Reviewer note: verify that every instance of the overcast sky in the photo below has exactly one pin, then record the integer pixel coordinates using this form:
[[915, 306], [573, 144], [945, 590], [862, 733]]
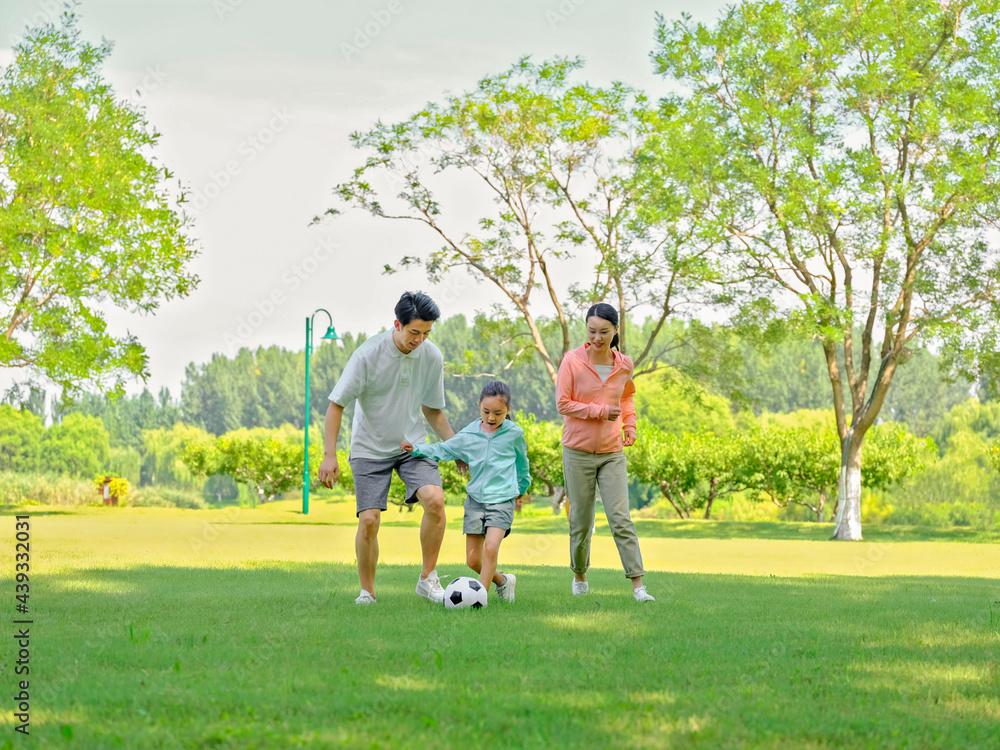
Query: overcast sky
[[255, 100]]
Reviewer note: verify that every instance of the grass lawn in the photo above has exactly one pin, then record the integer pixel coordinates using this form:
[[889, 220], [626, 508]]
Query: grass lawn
[[158, 628]]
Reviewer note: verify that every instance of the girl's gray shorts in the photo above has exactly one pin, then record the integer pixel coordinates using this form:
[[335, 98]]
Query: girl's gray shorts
[[480, 515]]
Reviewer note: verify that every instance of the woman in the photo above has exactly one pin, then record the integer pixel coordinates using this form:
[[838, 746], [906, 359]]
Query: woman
[[594, 394]]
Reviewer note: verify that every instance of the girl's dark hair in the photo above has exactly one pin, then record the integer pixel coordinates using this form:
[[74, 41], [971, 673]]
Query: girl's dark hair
[[604, 311], [497, 388], [416, 306]]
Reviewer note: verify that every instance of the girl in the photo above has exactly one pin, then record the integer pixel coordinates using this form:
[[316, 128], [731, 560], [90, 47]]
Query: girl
[[497, 455], [594, 394]]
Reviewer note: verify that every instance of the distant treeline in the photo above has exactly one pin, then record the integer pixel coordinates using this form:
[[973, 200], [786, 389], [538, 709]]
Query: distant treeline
[[266, 387], [259, 395]]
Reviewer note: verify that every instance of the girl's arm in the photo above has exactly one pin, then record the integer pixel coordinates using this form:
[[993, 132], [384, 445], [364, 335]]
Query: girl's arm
[[566, 405], [522, 465], [450, 450]]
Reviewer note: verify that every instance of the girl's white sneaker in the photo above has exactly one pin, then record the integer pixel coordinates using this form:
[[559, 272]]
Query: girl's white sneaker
[[580, 587], [365, 598], [505, 590]]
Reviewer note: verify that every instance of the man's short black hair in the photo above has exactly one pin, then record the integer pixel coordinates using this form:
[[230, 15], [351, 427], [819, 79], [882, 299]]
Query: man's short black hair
[[416, 306]]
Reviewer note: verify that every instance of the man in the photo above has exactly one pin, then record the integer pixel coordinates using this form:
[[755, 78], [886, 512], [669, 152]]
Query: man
[[393, 377]]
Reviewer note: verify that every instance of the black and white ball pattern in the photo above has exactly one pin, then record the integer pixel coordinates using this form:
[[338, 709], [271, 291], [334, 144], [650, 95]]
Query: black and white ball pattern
[[465, 592]]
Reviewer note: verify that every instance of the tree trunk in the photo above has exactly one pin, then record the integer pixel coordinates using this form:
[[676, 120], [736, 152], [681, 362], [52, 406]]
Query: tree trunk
[[712, 484], [848, 524], [670, 499], [822, 504]]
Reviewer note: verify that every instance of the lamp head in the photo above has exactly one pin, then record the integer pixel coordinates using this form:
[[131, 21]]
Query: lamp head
[[330, 333]]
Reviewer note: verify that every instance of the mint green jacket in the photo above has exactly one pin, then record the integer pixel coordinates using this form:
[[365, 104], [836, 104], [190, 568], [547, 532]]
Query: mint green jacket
[[498, 463]]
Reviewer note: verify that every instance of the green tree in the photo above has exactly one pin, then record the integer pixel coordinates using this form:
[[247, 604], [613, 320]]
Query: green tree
[[125, 417], [262, 388], [221, 395], [921, 394], [556, 159], [544, 440], [895, 454], [786, 376], [801, 465], [28, 397], [973, 415], [86, 219], [845, 157], [674, 402], [958, 488], [21, 435], [269, 465], [668, 462], [126, 463], [161, 456], [475, 354], [716, 457], [78, 446]]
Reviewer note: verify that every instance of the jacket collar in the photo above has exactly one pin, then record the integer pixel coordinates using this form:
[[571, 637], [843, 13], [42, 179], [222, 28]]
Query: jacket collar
[[580, 353], [475, 428]]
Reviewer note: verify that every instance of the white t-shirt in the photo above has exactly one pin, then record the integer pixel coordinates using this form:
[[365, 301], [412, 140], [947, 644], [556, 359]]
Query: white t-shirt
[[604, 371], [389, 387]]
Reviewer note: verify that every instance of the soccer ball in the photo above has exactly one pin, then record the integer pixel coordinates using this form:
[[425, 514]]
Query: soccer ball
[[465, 592]]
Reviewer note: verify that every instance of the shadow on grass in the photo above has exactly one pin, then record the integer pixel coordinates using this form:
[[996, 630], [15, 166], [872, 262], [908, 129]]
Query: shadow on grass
[[39, 510], [278, 655], [654, 528]]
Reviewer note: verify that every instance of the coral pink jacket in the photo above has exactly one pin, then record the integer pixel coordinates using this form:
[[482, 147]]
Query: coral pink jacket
[[583, 400]]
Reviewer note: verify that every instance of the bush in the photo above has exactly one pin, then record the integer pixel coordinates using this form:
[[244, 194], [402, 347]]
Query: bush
[[969, 514], [875, 511], [161, 497], [943, 515], [46, 489]]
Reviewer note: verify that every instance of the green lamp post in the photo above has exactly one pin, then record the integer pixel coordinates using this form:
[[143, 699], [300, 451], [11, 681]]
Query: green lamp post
[[330, 334]]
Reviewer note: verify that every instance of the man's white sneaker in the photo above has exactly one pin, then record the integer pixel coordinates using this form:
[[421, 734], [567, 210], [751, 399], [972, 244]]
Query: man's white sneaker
[[641, 595], [430, 587], [580, 587], [505, 590], [365, 598]]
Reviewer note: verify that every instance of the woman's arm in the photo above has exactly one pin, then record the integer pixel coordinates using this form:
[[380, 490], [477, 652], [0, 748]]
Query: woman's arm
[[628, 405], [567, 405]]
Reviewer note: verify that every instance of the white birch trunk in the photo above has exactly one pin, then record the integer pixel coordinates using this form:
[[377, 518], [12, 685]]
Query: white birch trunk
[[847, 527]]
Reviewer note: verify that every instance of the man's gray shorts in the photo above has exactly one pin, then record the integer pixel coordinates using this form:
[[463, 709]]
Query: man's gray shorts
[[480, 515], [372, 477]]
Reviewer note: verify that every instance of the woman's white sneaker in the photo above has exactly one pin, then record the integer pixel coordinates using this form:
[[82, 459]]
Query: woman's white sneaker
[[641, 595], [365, 598], [580, 587]]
